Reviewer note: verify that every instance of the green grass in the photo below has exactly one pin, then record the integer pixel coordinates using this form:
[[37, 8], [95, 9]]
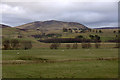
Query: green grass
[[67, 69], [60, 53], [81, 69]]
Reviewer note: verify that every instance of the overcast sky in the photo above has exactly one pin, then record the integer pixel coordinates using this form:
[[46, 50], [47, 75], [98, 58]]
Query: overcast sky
[[91, 14]]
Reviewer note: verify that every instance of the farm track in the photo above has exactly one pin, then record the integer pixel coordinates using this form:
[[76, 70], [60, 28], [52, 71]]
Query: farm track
[[54, 61]]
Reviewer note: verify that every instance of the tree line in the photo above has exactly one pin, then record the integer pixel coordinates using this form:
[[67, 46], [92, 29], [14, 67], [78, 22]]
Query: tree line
[[74, 45], [15, 44]]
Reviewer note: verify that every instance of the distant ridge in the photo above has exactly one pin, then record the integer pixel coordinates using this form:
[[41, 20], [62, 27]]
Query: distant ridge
[[52, 24], [4, 26], [108, 28]]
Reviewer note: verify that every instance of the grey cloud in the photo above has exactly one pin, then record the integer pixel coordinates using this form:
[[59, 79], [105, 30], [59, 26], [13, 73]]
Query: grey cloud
[[92, 14]]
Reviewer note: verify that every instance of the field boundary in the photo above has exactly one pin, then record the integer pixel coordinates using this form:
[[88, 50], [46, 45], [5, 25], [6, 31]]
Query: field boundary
[[54, 61]]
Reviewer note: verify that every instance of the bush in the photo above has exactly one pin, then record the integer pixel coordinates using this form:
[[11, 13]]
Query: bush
[[97, 45], [54, 45], [86, 45], [75, 46], [68, 46]]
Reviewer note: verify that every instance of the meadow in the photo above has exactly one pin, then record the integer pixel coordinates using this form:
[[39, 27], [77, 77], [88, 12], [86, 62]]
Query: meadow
[[43, 62], [61, 63]]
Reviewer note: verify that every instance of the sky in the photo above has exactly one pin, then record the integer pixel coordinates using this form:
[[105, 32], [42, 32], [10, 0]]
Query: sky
[[91, 14]]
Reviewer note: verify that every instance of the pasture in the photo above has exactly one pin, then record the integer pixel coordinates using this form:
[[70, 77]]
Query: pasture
[[61, 63]]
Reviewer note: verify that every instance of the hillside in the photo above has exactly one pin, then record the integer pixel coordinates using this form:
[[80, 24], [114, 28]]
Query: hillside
[[4, 26], [52, 24], [108, 28]]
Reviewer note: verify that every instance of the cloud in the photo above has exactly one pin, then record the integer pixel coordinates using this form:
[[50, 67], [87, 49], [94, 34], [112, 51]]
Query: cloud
[[92, 14]]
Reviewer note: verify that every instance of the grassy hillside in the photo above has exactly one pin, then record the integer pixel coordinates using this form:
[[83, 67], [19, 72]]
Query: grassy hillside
[[107, 34]]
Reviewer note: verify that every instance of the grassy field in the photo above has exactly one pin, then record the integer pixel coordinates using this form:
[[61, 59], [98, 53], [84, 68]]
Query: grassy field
[[61, 63], [42, 62]]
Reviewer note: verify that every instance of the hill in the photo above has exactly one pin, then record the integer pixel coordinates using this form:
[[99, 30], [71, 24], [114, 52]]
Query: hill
[[108, 28], [4, 26], [52, 24]]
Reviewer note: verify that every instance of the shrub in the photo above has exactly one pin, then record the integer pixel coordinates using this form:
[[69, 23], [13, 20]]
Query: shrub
[[68, 46], [54, 45], [75, 46]]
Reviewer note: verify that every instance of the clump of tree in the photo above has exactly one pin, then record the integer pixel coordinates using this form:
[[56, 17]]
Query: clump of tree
[[97, 45], [69, 40], [80, 37], [114, 31], [86, 45], [54, 45], [68, 46], [95, 38], [6, 44], [15, 44], [75, 46], [65, 30], [100, 31]]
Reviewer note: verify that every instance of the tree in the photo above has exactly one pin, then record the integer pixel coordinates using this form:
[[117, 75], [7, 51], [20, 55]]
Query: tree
[[75, 46], [65, 30], [91, 36], [96, 31], [14, 44], [97, 45], [100, 31], [86, 45], [68, 46], [6, 44], [80, 36], [118, 31], [54, 45], [114, 31], [97, 38]]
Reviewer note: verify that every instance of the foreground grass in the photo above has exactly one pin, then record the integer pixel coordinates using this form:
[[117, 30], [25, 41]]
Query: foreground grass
[[81, 69], [70, 69]]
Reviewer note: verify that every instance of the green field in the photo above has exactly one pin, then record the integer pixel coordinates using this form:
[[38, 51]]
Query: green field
[[61, 63], [43, 62]]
